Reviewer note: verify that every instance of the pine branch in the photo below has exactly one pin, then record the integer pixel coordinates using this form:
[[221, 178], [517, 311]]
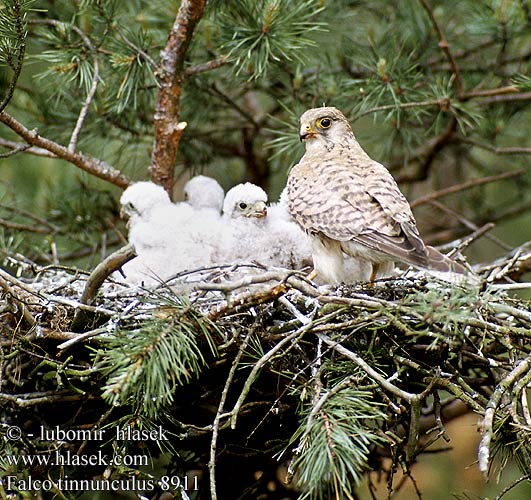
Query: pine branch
[[522, 368], [208, 66], [17, 12], [464, 186], [72, 146], [170, 73], [445, 47], [89, 164], [514, 150]]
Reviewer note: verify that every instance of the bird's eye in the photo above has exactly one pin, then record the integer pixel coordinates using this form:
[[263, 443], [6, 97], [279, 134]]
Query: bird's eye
[[242, 205], [186, 196], [324, 123]]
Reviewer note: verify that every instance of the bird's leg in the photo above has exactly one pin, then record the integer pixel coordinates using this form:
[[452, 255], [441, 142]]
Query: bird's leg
[[312, 275], [374, 271]]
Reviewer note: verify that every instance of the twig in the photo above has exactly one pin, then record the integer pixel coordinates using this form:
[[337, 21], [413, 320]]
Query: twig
[[478, 231], [74, 338], [210, 65], [259, 365], [511, 89], [19, 301], [466, 185], [17, 226], [496, 150], [72, 146], [19, 148], [38, 398], [170, 73], [94, 84], [441, 103], [143, 53], [23, 147], [371, 372], [89, 164], [494, 99], [445, 47], [427, 153], [516, 482], [475, 235], [488, 421], [219, 413], [102, 271]]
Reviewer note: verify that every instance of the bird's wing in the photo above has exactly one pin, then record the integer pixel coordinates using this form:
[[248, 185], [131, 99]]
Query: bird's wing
[[362, 205]]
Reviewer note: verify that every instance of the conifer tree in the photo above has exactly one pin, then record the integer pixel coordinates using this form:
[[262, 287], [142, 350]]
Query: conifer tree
[[305, 396]]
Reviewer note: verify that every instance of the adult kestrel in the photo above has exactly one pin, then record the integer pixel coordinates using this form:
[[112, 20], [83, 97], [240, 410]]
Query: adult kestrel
[[350, 204]]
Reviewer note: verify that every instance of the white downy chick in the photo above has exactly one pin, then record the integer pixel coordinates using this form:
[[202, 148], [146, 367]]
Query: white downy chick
[[243, 224], [202, 192], [153, 225], [205, 196], [287, 244], [150, 212]]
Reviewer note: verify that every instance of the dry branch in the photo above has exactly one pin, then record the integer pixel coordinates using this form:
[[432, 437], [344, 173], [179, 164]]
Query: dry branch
[[89, 164], [402, 339]]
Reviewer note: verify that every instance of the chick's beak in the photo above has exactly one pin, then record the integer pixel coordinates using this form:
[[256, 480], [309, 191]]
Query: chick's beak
[[124, 214], [306, 132], [258, 210]]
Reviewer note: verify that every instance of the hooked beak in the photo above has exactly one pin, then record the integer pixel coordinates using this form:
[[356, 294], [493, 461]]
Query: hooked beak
[[307, 132], [258, 210]]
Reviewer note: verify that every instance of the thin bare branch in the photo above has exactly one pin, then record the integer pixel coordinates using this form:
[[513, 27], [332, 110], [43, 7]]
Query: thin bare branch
[[219, 414], [104, 269], [89, 164], [445, 47], [23, 147], [72, 146], [514, 150], [518, 371], [208, 66], [426, 154], [494, 99], [441, 103], [511, 89], [464, 186], [95, 78]]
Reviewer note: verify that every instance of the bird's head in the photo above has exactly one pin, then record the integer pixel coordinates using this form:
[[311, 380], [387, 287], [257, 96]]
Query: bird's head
[[204, 192], [141, 197], [245, 201], [324, 125]]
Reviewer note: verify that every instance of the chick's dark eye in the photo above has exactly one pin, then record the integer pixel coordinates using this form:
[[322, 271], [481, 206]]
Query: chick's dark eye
[[242, 205], [324, 123]]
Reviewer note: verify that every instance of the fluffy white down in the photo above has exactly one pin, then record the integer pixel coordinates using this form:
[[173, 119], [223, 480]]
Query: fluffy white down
[[153, 226], [286, 243], [240, 235], [204, 192]]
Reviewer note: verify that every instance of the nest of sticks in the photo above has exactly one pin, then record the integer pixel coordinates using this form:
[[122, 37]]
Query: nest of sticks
[[260, 369]]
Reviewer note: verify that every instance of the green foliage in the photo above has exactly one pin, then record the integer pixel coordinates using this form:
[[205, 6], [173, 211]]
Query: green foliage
[[266, 32], [13, 30], [440, 94], [145, 365], [337, 435]]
